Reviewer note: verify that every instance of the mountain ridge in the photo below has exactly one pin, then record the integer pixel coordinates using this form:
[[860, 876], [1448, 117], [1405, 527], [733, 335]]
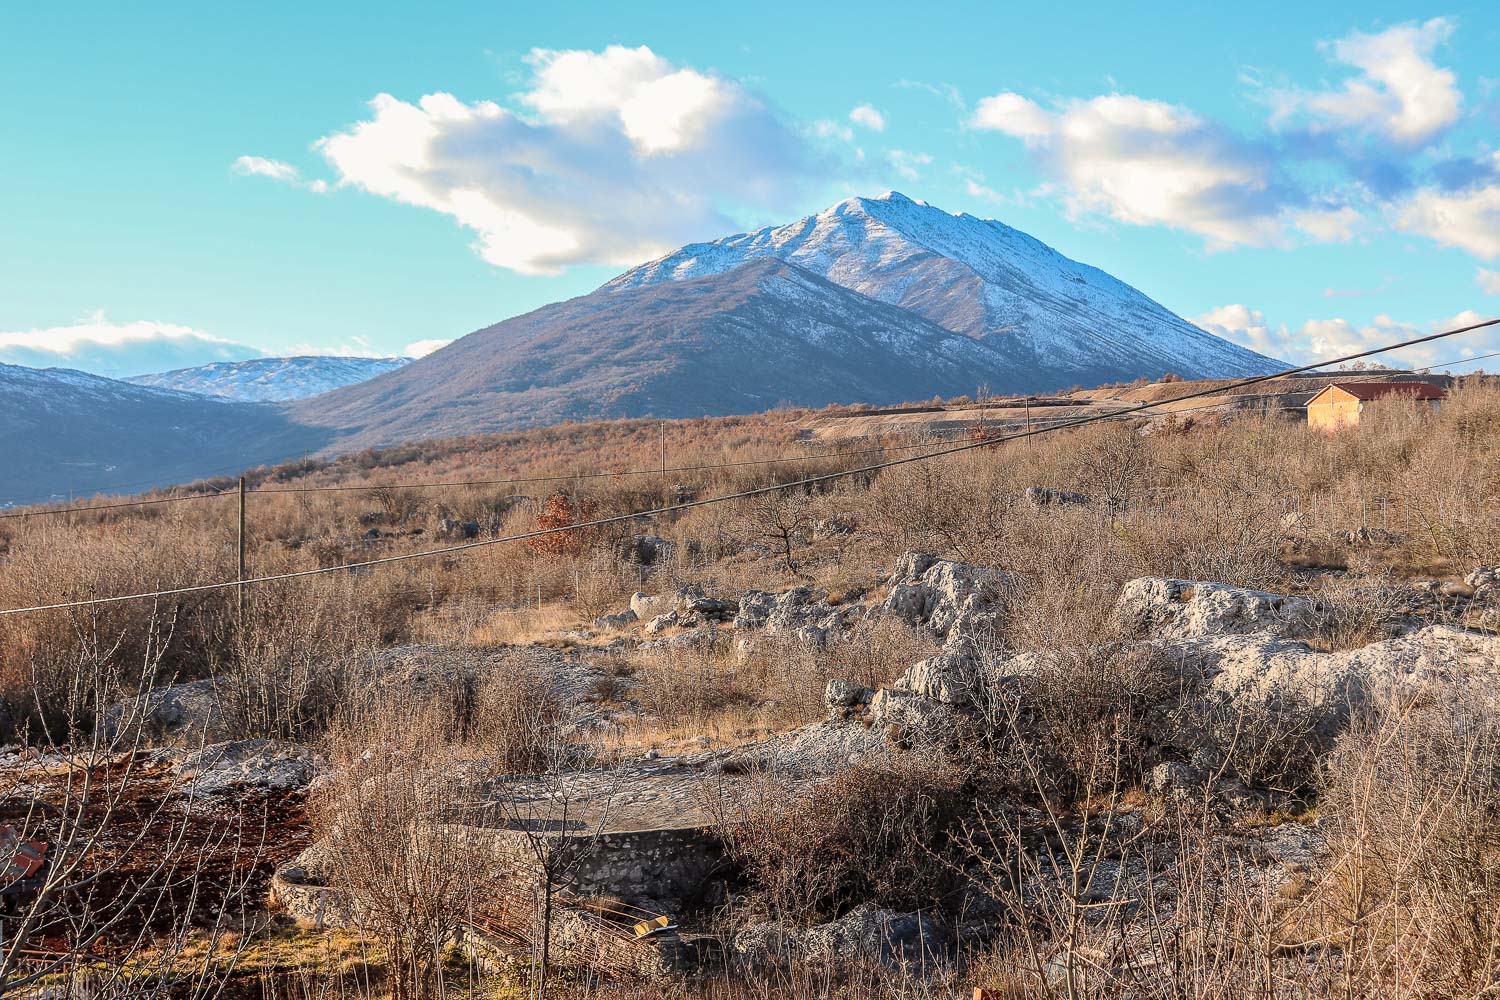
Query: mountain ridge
[[979, 277], [735, 342], [271, 380]]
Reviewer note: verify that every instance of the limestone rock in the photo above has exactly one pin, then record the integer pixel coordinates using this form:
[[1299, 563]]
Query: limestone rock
[[867, 932], [615, 622], [794, 610], [260, 766], [660, 623], [1042, 496], [1185, 609], [182, 713], [1484, 581], [846, 694], [950, 599]]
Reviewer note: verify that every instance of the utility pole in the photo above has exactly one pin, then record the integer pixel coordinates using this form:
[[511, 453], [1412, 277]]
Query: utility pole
[[241, 587]]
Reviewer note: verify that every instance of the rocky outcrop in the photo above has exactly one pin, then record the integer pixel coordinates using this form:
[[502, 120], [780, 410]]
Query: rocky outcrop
[[183, 714], [687, 601], [867, 932], [616, 622], [1484, 582], [1042, 496], [950, 599], [265, 766], [1242, 645], [1165, 609], [802, 611]]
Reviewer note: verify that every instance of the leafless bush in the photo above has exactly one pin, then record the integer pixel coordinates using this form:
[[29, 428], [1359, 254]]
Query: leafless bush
[[1412, 894], [874, 831], [516, 720], [411, 879], [1354, 612]]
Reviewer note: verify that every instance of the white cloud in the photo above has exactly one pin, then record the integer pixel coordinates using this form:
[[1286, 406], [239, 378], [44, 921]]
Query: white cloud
[[866, 116], [1488, 281], [354, 347], [909, 164], [276, 170], [1147, 163], [1246, 327], [1320, 340], [422, 348], [1328, 225], [1468, 219], [621, 156], [1014, 115], [825, 129], [259, 166], [1399, 92], [976, 189], [119, 350]]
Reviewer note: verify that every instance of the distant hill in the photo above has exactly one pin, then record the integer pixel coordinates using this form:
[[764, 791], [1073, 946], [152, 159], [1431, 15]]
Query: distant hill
[[271, 380], [64, 431], [874, 300]]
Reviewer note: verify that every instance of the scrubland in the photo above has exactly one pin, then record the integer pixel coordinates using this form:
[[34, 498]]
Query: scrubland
[[1017, 837]]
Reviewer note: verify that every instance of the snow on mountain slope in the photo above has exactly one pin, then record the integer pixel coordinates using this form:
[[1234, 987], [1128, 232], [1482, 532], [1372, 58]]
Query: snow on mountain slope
[[1067, 320], [65, 432], [272, 380], [740, 341]]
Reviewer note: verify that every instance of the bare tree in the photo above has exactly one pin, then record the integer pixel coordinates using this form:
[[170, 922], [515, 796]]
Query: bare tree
[[783, 517]]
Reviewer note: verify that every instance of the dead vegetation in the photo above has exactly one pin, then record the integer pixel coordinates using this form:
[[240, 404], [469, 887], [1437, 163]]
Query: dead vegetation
[[1042, 828]]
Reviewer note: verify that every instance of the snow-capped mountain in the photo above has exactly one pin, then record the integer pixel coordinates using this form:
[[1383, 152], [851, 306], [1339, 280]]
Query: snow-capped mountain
[[65, 432], [875, 300], [1066, 321], [740, 341], [272, 380]]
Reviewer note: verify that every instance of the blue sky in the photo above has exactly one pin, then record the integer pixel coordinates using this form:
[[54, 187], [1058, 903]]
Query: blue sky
[[181, 182]]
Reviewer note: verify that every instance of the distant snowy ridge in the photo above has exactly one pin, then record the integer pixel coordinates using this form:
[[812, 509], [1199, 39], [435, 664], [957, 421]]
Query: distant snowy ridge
[[272, 380], [1066, 320]]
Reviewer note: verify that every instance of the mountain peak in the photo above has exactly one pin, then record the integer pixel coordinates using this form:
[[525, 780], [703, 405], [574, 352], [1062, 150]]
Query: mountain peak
[[977, 277]]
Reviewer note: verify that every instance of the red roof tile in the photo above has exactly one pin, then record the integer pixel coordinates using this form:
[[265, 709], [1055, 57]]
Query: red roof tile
[[1385, 390]]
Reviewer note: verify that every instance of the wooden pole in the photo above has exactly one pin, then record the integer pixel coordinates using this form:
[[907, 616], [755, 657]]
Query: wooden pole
[[241, 587]]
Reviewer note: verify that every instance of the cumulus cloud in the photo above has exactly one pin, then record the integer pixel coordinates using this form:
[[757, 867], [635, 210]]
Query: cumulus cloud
[[1488, 281], [1246, 327], [1467, 218], [1150, 163], [615, 156], [1398, 91], [119, 350], [866, 116], [1319, 340], [422, 348]]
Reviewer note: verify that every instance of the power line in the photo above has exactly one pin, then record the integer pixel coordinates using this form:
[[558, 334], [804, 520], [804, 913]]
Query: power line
[[527, 480], [114, 506], [741, 495]]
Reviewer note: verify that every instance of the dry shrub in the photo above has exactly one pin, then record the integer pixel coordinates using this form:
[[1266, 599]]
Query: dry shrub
[[516, 720], [791, 675], [876, 831], [410, 880], [690, 690], [1354, 612], [1412, 895], [602, 583]]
